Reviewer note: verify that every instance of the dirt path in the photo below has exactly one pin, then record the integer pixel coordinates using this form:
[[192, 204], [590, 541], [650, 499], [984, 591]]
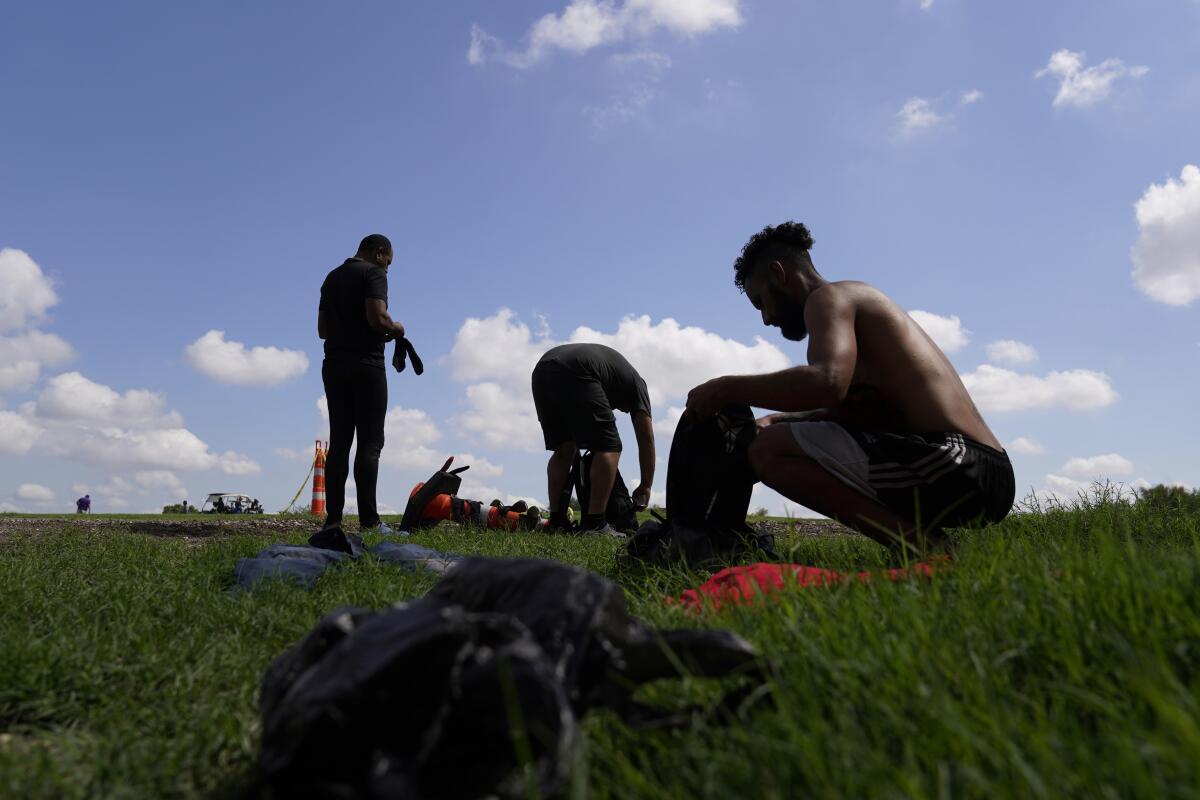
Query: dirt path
[[208, 527], [200, 528]]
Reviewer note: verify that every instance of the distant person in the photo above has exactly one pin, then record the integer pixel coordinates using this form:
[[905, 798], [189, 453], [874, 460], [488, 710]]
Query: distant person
[[576, 388], [84, 505], [877, 429], [185, 506], [353, 320]]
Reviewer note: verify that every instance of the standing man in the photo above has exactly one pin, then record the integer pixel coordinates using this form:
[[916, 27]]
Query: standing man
[[353, 320], [877, 430], [575, 389]]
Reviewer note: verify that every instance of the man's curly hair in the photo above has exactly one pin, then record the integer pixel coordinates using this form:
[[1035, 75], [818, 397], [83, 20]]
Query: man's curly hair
[[790, 237]]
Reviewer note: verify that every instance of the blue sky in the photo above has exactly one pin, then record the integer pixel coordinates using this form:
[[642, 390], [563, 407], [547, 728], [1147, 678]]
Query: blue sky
[[559, 170]]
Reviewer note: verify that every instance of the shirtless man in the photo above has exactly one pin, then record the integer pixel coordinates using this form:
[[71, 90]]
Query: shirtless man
[[877, 430]]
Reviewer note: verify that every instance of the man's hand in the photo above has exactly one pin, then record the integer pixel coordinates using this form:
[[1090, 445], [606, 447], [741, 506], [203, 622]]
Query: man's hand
[[641, 497], [706, 399], [766, 422]]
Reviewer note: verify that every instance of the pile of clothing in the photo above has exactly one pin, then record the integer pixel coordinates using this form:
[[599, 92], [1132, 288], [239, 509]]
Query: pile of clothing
[[476, 689], [303, 564]]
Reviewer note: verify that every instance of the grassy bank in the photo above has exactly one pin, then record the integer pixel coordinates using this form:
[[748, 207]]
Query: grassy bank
[[1058, 658]]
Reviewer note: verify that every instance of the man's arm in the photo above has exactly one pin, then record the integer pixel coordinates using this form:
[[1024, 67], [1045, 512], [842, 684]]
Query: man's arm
[[378, 319], [321, 329], [643, 429], [822, 383], [816, 415]]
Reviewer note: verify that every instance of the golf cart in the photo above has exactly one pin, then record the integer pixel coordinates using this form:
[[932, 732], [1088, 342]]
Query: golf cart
[[230, 503]]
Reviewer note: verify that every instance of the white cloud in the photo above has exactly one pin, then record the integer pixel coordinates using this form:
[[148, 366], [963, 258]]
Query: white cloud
[[498, 347], [25, 292], [231, 362], [117, 491], [674, 358], [480, 467], [157, 479], [408, 432], [1011, 352], [916, 115], [1166, 256], [1090, 478], [947, 333], [641, 74], [35, 492], [921, 115], [482, 44], [998, 389], [22, 358], [496, 356], [71, 397], [79, 418], [17, 433], [1097, 467], [1081, 86], [232, 463], [587, 24], [25, 296], [114, 492], [410, 436], [1062, 488], [503, 416], [1023, 444], [926, 5]]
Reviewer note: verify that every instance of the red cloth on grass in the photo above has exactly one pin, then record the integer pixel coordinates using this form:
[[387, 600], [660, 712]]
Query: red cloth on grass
[[745, 585]]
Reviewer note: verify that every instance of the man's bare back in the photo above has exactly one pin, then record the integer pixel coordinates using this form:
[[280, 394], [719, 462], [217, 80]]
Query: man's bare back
[[902, 381]]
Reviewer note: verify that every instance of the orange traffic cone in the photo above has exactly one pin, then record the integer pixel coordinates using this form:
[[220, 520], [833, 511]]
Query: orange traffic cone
[[318, 500]]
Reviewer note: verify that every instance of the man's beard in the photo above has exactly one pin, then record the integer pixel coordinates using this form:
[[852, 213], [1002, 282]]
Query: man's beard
[[790, 315]]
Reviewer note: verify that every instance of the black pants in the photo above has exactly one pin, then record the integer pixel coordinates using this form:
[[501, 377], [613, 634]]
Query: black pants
[[357, 397]]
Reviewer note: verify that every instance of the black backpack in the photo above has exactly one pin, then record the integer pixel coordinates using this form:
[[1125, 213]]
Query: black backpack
[[620, 511], [709, 481]]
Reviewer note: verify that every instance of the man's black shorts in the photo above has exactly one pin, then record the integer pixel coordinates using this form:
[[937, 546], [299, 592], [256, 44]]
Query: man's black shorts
[[936, 480], [573, 407]]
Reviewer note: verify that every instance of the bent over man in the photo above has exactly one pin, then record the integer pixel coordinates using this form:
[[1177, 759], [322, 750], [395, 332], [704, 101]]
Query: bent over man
[[877, 430], [353, 320], [575, 389]]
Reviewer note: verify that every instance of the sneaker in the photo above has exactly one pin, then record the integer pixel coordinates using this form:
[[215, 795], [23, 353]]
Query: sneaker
[[603, 530], [383, 529]]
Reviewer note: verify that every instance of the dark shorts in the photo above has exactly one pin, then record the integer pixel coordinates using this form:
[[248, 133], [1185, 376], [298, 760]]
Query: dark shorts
[[574, 408], [935, 480]]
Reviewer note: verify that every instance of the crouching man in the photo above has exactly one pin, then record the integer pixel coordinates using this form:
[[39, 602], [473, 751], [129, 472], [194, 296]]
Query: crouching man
[[576, 387], [877, 430]]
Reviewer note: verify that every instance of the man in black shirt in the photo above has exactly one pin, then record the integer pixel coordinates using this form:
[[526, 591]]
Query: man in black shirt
[[575, 389], [354, 322]]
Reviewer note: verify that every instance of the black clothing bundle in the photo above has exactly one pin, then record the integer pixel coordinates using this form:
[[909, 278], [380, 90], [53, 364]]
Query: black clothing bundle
[[475, 690]]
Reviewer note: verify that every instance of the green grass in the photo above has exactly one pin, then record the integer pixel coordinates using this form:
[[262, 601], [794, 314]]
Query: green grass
[[1060, 657]]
